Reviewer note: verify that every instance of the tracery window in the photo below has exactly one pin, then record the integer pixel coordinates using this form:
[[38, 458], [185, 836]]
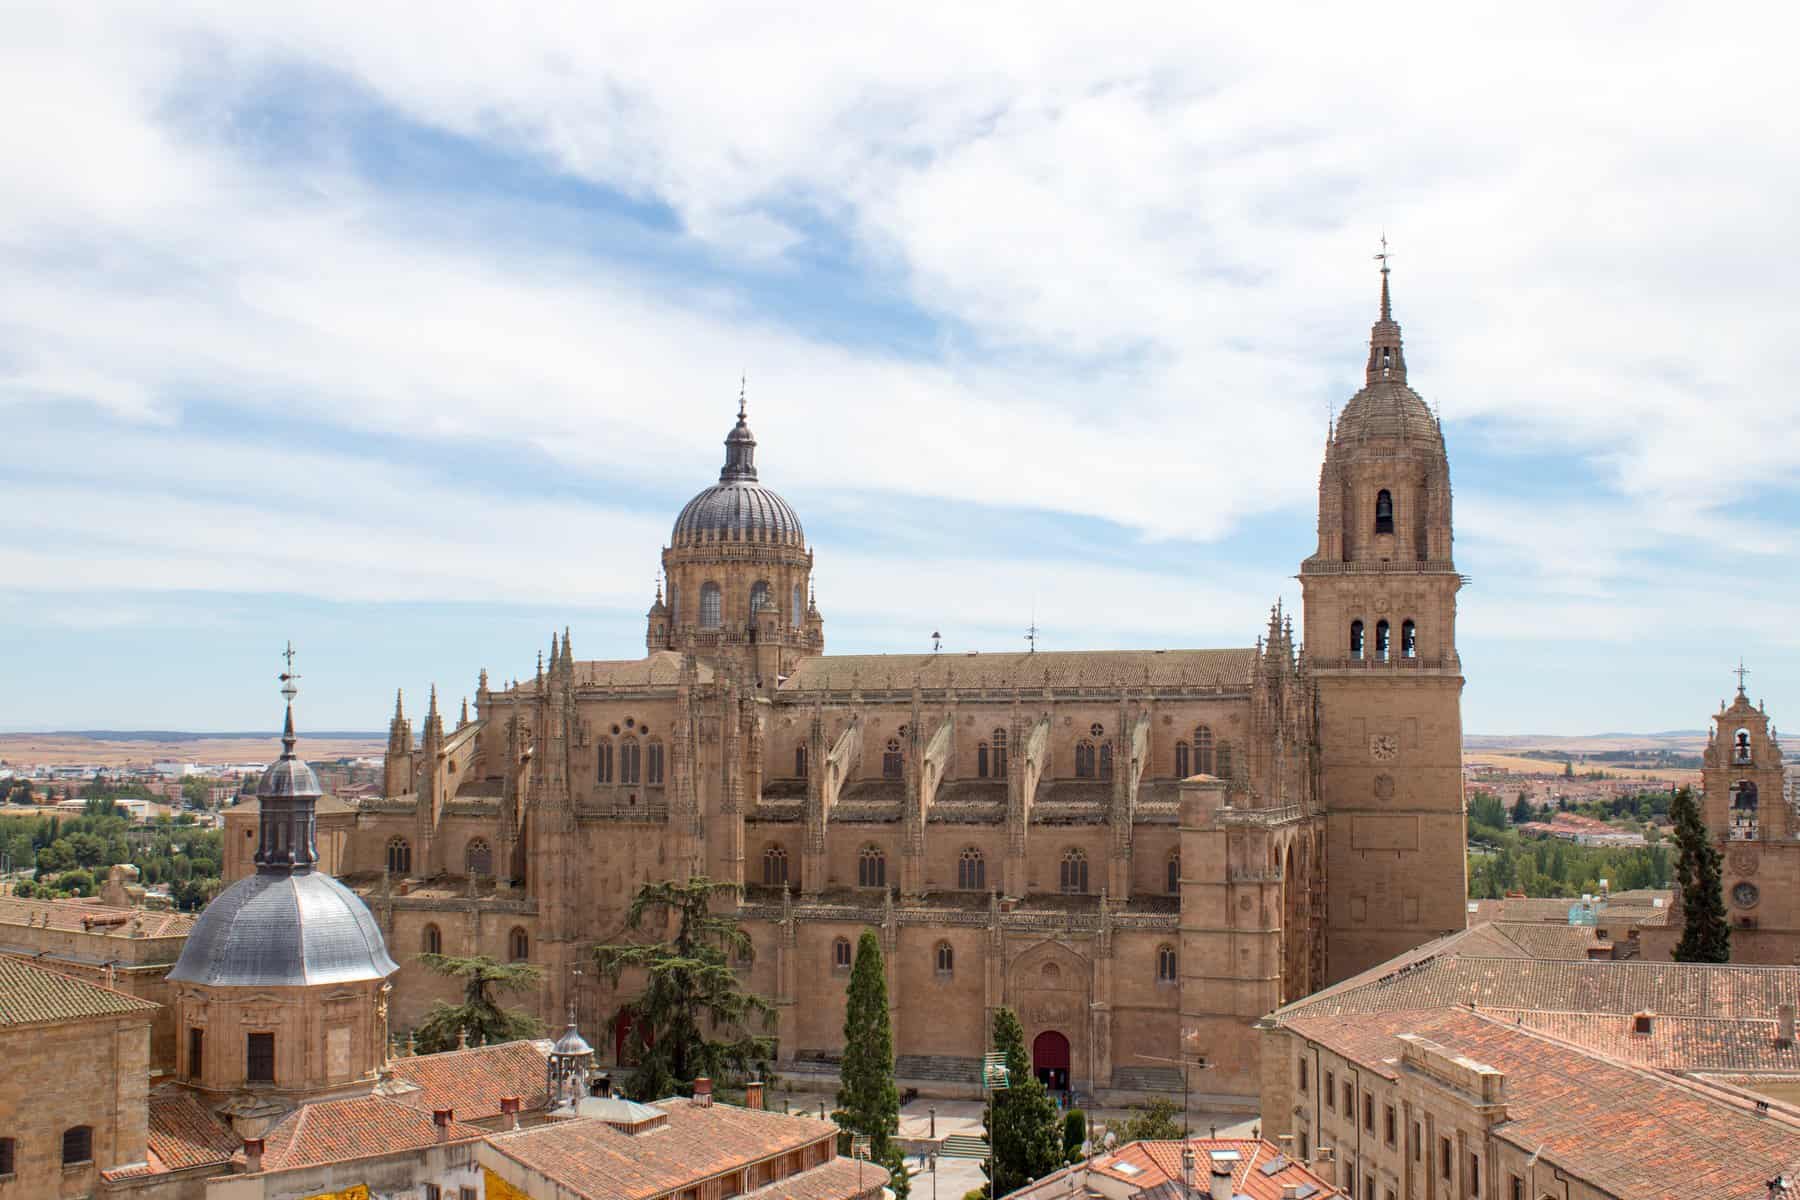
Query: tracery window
[[630, 760], [709, 606], [1409, 640], [655, 755], [1165, 964], [891, 761], [431, 941], [775, 867], [840, 954], [971, 871], [1172, 873], [1356, 639], [999, 743], [518, 944], [1084, 759], [1203, 750], [871, 867], [603, 756], [1181, 761], [1073, 877], [1384, 511], [478, 858], [946, 959], [399, 856], [800, 761]]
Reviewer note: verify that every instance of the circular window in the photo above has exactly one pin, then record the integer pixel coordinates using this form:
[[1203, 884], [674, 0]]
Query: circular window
[[1745, 895], [1098, 730], [629, 722], [615, 729], [643, 729]]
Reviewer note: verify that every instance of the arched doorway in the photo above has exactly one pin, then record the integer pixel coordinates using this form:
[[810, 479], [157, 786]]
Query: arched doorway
[[1050, 1060]]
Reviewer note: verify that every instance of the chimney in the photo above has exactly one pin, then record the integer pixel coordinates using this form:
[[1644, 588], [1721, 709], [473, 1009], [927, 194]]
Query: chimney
[[1785, 1013], [1290, 1192], [253, 1150], [1223, 1177], [441, 1117], [753, 1091], [509, 1108], [703, 1092], [1187, 1170]]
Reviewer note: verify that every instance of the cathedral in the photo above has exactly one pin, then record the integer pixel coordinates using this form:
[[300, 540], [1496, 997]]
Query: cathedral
[[1141, 852]]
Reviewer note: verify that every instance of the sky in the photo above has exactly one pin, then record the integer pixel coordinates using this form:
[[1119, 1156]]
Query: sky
[[405, 333]]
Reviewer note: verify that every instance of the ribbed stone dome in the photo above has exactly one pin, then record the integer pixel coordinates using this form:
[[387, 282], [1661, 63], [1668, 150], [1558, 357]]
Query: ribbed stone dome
[[737, 508], [284, 930], [1387, 409], [738, 511]]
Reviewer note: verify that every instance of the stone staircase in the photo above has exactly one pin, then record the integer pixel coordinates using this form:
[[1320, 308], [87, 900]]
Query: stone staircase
[[938, 1068], [964, 1145], [1147, 1079]]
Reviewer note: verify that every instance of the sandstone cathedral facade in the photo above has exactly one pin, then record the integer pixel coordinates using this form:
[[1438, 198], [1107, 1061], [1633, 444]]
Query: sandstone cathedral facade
[[1140, 852]]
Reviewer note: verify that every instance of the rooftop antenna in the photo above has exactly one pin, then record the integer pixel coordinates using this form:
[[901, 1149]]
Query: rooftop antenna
[[1031, 632], [743, 385], [937, 641]]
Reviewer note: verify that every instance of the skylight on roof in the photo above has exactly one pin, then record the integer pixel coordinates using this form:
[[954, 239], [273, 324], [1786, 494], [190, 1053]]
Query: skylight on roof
[[1126, 1168]]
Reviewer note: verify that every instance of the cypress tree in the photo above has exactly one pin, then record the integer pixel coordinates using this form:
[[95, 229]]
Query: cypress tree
[[1022, 1123], [1705, 934], [868, 1101]]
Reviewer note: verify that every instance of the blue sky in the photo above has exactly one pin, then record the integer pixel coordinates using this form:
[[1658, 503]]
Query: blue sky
[[407, 340]]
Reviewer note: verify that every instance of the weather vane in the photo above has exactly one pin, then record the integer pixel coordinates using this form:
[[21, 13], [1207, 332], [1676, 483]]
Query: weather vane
[[288, 676], [1383, 257]]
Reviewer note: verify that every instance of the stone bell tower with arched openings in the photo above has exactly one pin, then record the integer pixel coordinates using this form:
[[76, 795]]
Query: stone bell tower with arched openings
[[1380, 626]]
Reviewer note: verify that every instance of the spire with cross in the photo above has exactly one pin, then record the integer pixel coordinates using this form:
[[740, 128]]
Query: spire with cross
[[1741, 671]]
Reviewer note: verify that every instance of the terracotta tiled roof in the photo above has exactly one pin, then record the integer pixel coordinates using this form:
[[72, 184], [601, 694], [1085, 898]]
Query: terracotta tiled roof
[[1230, 668], [661, 668], [1673, 1043], [834, 1179], [1261, 1171], [329, 1131], [1438, 975], [29, 994], [1628, 1132], [590, 1157], [184, 1134], [1621, 908], [1543, 940], [472, 1082], [93, 917]]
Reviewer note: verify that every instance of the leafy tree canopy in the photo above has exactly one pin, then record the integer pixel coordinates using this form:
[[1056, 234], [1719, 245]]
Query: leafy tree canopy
[[479, 1016]]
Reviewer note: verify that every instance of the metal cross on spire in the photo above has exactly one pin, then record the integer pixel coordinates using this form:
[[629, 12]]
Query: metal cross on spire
[[288, 676], [743, 386], [1741, 671]]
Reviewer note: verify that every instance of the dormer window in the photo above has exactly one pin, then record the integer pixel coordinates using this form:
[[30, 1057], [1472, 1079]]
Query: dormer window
[[1384, 511]]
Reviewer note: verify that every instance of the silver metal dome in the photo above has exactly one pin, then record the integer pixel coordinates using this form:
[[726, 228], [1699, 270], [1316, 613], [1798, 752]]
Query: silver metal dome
[[288, 776], [737, 508], [284, 930]]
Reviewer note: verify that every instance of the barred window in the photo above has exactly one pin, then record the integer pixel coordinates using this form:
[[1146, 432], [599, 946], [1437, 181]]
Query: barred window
[[78, 1142]]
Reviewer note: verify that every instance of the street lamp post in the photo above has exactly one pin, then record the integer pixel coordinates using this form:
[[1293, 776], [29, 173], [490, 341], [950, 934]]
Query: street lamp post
[[1198, 1063]]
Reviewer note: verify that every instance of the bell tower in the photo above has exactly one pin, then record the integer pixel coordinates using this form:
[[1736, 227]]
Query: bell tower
[[1380, 625], [1746, 807]]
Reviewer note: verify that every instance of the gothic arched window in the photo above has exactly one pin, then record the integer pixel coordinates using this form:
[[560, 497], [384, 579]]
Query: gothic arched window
[[603, 758], [890, 759], [1356, 639], [399, 856], [1409, 640], [630, 760], [1203, 750], [1084, 759], [478, 858], [775, 867], [1165, 964], [1224, 756], [840, 954], [971, 871], [1381, 641], [800, 761], [1073, 878], [981, 760], [709, 606], [1384, 511], [999, 741], [518, 944], [656, 761], [946, 959], [1172, 873], [1181, 761], [1106, 760], [432, 940], [799, 609], [759, 597], [871, 867]]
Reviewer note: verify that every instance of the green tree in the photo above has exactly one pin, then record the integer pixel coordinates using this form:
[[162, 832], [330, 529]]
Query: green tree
[[1705, 934], [1074, 1134], [868, 1101], [1485, 809], [479, 1014], [1521, 810], [1158, 1121], [1021, 1121], [690, 989]]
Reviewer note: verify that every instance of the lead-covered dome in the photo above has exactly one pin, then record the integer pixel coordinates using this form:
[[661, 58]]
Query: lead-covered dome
[[1386, 408], [737, 508], [280, 929]]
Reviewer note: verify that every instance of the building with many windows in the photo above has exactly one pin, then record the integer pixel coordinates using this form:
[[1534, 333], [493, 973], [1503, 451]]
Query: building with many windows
[[1139, 851]]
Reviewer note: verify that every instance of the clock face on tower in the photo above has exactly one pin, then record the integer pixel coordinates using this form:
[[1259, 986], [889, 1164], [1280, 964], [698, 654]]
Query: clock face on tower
[[1384, 747]]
